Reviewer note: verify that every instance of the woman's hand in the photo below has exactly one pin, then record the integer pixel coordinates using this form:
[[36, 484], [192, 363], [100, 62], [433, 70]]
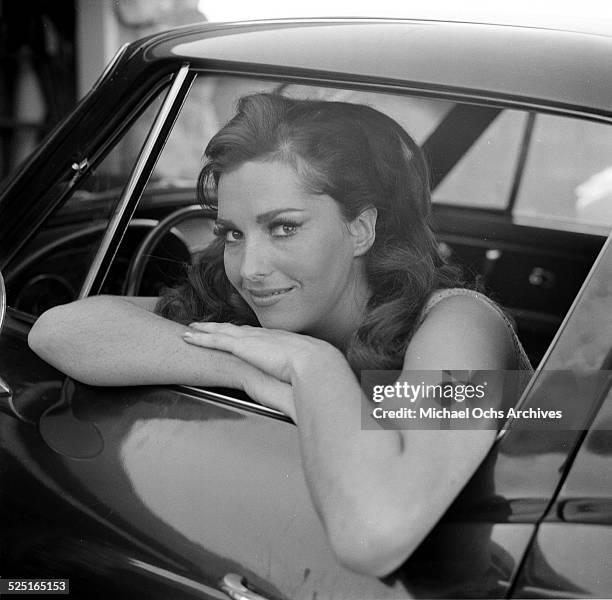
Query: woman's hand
[[277, 353], [270, 392]]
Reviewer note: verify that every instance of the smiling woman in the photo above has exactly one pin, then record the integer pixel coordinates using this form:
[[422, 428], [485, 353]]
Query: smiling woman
[[324, 265]]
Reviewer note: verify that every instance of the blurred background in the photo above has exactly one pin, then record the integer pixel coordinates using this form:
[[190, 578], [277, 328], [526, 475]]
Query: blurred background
[[52, 51]]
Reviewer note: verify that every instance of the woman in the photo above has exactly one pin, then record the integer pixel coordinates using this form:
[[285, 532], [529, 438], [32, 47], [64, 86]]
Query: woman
[[325, 265]]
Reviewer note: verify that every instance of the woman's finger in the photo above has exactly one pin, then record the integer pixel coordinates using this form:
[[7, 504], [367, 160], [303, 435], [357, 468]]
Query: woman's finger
[[221, 328], [210, 340]]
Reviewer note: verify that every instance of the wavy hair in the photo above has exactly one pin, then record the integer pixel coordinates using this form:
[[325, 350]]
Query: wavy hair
[[359, 157]]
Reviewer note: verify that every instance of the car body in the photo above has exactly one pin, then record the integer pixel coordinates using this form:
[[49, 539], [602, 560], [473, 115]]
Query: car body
[[174, 491]]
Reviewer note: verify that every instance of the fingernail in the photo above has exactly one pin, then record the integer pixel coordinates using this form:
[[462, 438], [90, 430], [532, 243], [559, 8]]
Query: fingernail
[[187, 335]]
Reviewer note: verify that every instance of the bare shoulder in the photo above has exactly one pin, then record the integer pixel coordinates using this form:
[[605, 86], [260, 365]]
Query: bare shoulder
[[461, 332], [147, 302]]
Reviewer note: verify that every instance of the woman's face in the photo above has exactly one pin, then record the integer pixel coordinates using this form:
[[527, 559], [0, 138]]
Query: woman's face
[[288, 253]]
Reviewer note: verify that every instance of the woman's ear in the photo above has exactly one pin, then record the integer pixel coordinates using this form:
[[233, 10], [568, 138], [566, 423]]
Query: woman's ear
[[363, 230]]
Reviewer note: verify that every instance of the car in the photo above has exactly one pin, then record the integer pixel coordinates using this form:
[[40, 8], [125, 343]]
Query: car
[[185, 492]]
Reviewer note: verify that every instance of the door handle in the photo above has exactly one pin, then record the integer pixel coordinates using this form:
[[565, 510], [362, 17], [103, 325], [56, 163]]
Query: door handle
[[233, 585]]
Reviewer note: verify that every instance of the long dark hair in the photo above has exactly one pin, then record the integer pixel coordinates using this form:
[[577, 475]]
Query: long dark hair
[[361, 158]]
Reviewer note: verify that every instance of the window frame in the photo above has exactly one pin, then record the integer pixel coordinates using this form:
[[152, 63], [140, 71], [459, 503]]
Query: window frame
[[132, 192]]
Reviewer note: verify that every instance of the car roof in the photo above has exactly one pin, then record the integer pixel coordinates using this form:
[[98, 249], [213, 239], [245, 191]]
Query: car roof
[[561, 69]]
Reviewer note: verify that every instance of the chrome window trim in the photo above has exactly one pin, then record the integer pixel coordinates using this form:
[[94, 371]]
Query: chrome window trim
[[138, 178], [218, 397]]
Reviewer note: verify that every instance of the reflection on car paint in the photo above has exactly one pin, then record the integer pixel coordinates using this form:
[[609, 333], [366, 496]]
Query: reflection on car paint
[[64, 433]]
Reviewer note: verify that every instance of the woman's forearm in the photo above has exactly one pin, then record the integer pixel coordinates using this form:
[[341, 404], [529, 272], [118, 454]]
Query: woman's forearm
[[379, 492], [107, 340], [351, 471]]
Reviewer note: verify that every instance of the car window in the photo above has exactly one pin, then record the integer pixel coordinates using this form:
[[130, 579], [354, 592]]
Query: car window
[[210, 103], [568, 173], [418, 116], [50, 269], [484, 175]]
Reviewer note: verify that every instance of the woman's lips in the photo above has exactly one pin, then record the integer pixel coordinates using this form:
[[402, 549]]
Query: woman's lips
[[267, 297]]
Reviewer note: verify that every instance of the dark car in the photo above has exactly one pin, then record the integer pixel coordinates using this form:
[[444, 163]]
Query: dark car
[[181, 492]]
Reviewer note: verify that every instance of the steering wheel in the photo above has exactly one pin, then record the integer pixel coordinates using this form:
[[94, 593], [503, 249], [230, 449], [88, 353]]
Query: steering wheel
[[36, 282], [145, 249]]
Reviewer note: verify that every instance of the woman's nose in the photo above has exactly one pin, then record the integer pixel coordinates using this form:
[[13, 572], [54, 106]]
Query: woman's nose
[[255, 263]]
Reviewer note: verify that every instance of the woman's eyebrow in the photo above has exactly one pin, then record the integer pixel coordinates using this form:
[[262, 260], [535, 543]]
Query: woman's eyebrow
[[225, 223], [262, 218], [272, 214]]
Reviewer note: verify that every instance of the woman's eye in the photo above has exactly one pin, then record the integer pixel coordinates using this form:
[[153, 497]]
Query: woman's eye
[[228, 235], [231, 235], [284, 229]]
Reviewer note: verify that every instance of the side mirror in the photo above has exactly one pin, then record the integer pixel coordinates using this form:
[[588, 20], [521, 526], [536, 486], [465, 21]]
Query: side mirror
[[5, 391]]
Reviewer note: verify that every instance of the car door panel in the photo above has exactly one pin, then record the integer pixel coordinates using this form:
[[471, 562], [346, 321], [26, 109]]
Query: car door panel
[[554, 569], [187, 483]]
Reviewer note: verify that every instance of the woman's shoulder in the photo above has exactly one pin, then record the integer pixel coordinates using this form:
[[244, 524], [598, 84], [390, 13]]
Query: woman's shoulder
[[462, 325], [462, 297]]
